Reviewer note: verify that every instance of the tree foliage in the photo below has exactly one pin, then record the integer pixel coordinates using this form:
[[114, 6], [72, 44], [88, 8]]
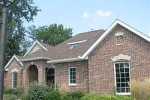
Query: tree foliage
[[18, 12], [52, 34]]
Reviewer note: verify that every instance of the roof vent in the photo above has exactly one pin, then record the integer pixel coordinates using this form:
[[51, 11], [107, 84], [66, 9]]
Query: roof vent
[[74, 44]]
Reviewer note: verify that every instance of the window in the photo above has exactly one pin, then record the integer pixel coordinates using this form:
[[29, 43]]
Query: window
[[122, 78], [72, 76], [14, 79]]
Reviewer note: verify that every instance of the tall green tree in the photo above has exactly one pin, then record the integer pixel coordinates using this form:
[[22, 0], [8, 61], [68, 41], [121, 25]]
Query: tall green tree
[[52, 34], [18, 12]]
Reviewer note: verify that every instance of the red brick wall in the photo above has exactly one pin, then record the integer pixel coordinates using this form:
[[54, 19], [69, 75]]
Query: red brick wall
[[41, 65], [8, 75], [101, 67], [61, 75]]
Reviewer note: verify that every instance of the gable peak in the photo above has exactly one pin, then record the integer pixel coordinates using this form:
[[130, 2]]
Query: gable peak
[[35, 47]]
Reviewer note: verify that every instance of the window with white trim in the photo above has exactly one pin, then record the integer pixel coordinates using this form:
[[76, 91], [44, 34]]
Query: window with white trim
[[14, 79], [72, 76], [122, 77]]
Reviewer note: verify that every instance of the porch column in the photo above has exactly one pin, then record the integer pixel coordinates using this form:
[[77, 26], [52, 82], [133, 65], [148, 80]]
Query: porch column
[[25, 79], [41, 75]]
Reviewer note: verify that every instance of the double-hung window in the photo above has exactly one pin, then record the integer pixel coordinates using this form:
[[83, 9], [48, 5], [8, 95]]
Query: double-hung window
[[72, 76], [14, 79], [122, 78]]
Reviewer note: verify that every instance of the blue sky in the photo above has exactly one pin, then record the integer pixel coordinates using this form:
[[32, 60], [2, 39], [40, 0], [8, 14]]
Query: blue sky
[[84, 15]]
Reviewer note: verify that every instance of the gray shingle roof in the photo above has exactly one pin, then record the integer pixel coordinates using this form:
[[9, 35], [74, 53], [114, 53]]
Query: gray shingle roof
[[62, 51]]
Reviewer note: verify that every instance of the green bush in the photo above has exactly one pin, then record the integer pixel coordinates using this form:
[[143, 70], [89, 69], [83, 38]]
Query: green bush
[[52, 95], [17, 92], [9, 97], [76, 95], [37, 91], [104, 97], [7, 91]]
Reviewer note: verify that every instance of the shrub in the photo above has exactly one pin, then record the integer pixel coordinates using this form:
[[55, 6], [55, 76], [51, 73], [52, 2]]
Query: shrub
[[52, 95], [91, 97], [9, 97], [17, 92], [76, 95], [103, 97], [37, 91], [7, 91]]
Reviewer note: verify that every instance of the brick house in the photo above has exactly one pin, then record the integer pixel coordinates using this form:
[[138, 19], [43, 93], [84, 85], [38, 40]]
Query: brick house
[[96, 61]]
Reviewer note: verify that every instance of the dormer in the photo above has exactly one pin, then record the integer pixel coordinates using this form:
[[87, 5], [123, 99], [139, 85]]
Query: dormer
[[74, 44]]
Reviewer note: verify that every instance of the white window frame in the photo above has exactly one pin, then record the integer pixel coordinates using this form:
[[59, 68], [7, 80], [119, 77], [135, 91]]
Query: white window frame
[[119, 93], [71, 84], [13, 79]]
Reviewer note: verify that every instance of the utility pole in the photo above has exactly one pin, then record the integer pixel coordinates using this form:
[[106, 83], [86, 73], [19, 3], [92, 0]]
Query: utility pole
[[5, 4]]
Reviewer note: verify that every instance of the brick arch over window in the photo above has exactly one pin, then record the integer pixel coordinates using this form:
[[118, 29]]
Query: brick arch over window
[[33, 73], [121, 57]]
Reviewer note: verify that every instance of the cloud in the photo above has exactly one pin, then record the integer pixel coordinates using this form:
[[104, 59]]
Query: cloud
[[99, 16], [86, 15], [101, 13]]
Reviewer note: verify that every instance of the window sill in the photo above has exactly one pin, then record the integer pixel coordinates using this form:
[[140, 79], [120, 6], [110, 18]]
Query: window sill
[[123, 93], [119, 44], [72, 84]]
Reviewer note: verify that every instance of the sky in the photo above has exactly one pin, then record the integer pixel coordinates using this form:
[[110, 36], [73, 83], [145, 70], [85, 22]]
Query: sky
[[87, 15]]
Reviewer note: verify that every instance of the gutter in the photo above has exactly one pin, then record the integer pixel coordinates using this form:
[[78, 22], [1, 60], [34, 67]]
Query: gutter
[[33, 59], [65, 60]]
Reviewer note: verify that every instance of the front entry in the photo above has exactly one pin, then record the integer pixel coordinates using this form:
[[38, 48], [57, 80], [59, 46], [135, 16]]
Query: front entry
[[33, 73], [50, 76]]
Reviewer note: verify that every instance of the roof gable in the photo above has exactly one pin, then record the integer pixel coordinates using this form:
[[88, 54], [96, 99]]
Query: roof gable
[[106, 33], [35, 47], [14, 57]]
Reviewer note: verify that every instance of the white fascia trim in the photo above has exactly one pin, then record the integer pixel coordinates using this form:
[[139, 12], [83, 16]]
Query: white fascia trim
[[112, 26], [77, 42], [134, 30], [37, 58], [14, 56], [36, 42], [65, 60]]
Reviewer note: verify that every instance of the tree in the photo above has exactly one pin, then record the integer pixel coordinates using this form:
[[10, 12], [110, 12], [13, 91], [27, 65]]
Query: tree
[[52, 34], [20, 11]]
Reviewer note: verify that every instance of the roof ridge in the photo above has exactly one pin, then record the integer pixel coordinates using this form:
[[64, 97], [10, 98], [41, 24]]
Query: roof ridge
[[90, 31]]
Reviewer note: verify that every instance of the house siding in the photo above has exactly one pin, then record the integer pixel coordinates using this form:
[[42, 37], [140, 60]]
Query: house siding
[[101, 67], [62, 76]]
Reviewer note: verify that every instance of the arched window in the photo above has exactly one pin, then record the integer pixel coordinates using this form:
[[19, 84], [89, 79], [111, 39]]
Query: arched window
[[14, 79]]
